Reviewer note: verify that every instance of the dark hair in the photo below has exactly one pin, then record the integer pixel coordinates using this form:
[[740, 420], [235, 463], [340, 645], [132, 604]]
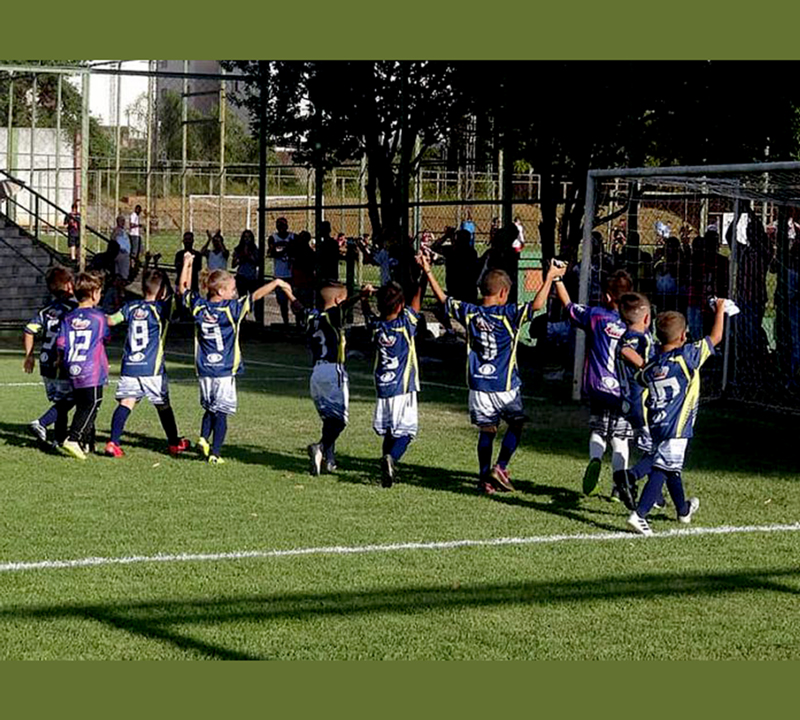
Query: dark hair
[[390, 297], [152, 282], [633, 307], [57, 280], [619, 284]]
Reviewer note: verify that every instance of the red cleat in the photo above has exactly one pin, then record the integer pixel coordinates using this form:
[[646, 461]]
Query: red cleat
[[502, 478], [182, 446], [113, 450]]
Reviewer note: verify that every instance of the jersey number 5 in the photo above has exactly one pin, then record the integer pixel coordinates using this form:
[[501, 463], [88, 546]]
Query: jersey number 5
[[663, 391]]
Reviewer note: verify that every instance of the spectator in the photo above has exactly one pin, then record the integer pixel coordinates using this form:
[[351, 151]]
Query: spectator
[[378, 254], [302, 261], [519, 243], [668, 270], [73, 222], [134, 228], [245, 260], [461, 264], [123, 261], [628, 255], [709, 278], [197, 261], [327, 254], [217, 256], [277, 249], [601, 264]]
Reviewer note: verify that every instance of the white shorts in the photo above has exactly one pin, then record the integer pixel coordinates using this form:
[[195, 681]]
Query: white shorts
[[330, 391], [643, 440], [396, 415], [57, 390], [486, 409], [669, 454], [218, 394], [154, 387]]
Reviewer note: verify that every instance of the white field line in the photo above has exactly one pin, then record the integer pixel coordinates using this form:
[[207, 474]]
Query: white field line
[[392, 547]]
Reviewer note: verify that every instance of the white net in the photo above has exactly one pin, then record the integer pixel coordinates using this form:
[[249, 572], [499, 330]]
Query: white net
[[688, 236], [234, 213]]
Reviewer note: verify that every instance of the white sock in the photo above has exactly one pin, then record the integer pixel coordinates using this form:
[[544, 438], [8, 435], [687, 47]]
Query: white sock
[[597, 446], [619, 454]]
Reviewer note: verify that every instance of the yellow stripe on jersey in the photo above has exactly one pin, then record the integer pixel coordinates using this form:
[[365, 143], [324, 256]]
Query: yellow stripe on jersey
[[162, 330], [468, 319], [691, 397], [340, 338], [705, 352], [237, 353], [512, 360], [412, 358]]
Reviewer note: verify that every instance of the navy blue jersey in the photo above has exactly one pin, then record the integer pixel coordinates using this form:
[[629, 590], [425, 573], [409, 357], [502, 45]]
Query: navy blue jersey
[[633, 392], [672, 380], [48, 321], [396, 366], [216, 337], [326, 335], [492, 338], [148, 321]]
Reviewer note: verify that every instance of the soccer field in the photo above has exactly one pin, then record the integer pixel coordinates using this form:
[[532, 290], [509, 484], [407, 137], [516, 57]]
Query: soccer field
[[153, 557]]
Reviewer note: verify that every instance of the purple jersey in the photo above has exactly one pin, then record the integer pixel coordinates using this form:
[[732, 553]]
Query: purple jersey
[[604, 330], [81, 340]]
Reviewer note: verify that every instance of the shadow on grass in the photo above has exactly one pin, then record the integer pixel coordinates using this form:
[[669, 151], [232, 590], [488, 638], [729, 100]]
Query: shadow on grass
[[170, 622]]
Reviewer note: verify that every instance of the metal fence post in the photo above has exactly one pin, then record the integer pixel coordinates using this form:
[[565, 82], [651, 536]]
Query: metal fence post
[[583, 296], [185, 138], [84, 169]]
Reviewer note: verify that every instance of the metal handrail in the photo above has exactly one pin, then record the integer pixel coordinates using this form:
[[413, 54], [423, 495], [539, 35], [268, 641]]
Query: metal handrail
[[39, 197]]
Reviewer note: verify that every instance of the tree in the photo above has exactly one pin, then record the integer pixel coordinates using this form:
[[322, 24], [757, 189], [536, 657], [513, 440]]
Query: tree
[[333, 112]]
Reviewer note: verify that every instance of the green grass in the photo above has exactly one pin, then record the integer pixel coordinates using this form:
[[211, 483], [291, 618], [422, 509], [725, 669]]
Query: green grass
[[713, 596]]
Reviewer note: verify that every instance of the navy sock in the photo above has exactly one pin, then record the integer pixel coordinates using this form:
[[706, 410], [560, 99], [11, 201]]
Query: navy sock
[[207, 425], [509, 446], [118, 420], [399, 447], [220, 428], [167, 418], [643, 467], [62, 420], [485, 445], [49, 417], [388, 444], [675, 487], [651, 492], [331, 429]]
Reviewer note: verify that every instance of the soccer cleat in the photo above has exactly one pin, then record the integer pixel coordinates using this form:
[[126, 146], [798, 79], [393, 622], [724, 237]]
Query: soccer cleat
[[592, 476], [388, 472], [331, 466], [38, 430], [639, 524], [660, 504], [624, 489], [486, 487], [501, 477], [215, 460], [694, 504], [182, 446], [74, 449], [205, 448], [113, 450], [615, 494], [315, 458]]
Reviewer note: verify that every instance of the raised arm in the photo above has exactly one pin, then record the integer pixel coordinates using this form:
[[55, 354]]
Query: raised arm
[[553, 272], [719, 323], [271, 286], [185, 279], [366, 291], [436, 289], [562, 293]]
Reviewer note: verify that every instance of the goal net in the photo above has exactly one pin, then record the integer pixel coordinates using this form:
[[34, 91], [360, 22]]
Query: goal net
[[235, 213], [687, 234]]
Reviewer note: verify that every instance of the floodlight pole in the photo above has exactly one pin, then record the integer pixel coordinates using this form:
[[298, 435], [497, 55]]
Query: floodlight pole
[[184, 140], [583, 296], [222, 103], [118, 136], [149, 169]]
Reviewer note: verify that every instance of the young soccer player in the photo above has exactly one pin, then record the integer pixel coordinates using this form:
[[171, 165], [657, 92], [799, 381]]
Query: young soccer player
[[217, 319], [672, 380], [56, 381], [493, 330], [81, 343], [396, 372], [634, 350], [142, 373], [604, 330], [329, 384]]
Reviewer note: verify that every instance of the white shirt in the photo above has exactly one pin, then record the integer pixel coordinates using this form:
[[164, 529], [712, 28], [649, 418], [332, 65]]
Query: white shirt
[[134, 224]]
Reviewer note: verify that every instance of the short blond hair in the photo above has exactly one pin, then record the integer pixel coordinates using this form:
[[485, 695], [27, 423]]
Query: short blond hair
[[87, 284], [216, 280]]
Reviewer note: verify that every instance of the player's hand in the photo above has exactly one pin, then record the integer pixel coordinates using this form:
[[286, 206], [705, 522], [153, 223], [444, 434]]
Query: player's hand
[[556, 271], [721, 304], [367, 290], [424, 261], [28, 364], [188, 258]]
